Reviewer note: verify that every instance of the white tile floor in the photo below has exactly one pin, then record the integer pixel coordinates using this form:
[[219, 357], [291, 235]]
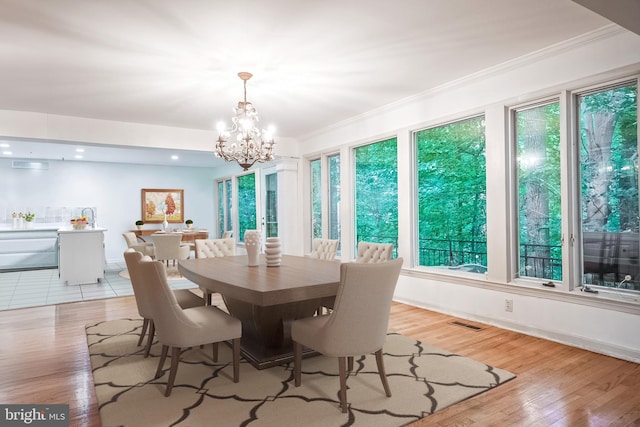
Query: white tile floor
[[30, 288]]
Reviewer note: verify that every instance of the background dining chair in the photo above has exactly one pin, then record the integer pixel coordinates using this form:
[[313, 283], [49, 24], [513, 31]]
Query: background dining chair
[[169, 247], [324, 249], [184, 297], [146, 248], [212, 248], [369, 252], [357, 325], [178, 328], [227, 234]]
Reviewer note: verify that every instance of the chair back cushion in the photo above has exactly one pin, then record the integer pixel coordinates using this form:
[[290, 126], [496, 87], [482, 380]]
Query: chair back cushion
[[360, 318], [212, 248], [324, 249], [130, 238], [132, 259], [374, 252], [168, 246]]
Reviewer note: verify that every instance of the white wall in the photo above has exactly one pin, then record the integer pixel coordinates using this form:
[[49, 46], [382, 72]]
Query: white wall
[[603, 323], [114, 189]]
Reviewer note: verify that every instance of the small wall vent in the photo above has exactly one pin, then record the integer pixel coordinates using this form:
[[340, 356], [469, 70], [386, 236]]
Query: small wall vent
[[30, 164]]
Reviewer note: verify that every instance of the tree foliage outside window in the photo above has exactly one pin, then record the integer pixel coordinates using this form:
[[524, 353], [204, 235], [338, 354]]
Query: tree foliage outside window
[[376, 193], [246, 204], [451, 171], [334, 197], [539, 208], [220, 208], [609, 187], [316, 199]]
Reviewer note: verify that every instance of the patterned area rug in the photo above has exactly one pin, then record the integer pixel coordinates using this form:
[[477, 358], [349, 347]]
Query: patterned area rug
[[423, 380]]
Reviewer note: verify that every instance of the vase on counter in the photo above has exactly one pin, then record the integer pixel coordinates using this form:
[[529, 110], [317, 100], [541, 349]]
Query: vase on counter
[[273, 252], [165, 223], [252, 240]]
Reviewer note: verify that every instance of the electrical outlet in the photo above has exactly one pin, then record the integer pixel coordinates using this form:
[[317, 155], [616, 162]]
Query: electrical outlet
[[508, 305]]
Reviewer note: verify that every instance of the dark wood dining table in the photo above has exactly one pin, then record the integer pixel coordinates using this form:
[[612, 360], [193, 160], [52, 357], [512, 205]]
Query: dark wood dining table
[[266, 299]]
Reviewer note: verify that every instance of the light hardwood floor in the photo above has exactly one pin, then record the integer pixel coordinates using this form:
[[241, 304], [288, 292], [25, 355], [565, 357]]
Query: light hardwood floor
[[44, 359]]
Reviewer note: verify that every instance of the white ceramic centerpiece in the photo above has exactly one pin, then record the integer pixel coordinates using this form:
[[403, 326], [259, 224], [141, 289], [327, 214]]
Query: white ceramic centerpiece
[[273, 252], [252, 241]]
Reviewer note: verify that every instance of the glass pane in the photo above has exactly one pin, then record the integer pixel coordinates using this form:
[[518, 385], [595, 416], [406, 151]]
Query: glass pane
[[334, 197], [246, 204], [452, 214], [609, 187], [271, 208], [538, 168], [229, 205], [316, 200], [376, 193], [220, 208]]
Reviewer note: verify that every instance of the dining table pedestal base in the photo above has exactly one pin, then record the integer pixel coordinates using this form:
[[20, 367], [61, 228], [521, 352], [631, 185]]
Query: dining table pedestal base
[[266, 330]]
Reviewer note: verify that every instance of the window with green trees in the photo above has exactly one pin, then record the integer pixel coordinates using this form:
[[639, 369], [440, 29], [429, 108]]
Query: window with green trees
[[538, 182], [334, 197], [608, 151], [316, 199], [225, 197], [376, 193], [246, 204], [451, 187]]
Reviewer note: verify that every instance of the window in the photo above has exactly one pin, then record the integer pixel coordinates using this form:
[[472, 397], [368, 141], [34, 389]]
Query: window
[[225, 220], [271, 205], [451, 181], [608, 120], [316, 199], [334, 197], [376, 193], [538, 177], [246, 204]]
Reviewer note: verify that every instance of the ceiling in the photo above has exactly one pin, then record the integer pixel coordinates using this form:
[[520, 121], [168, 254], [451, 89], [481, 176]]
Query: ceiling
[[315, 63]]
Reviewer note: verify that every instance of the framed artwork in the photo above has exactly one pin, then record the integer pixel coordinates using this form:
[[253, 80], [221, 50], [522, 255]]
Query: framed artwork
[[156, 203]]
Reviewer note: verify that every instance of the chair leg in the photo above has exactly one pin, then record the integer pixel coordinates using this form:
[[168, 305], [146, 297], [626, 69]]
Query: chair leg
[[175, 359], [145, 324], [383, 374], [350, 363], [297, 362], [152, 333], [342, 367], [236, 360], [163, 356], [215, 351]]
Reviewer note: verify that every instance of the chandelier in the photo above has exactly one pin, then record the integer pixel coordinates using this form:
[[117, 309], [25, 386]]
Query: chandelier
[[248, 143]]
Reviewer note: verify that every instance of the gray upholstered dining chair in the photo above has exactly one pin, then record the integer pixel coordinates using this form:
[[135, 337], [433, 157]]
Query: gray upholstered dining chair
[[169, 247], [356, 326], [213, 248], [178, 328], [184, 297], [369, 252], [324, 249], [146, 248]]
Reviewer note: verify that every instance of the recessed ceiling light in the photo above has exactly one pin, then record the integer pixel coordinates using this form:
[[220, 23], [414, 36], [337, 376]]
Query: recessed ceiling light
[[4, 145], [7, 153], [79, 150], [174, 157], [78, 156]]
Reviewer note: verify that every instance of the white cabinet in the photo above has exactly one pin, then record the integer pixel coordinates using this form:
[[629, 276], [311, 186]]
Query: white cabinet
[[28, 248], [82, 258]]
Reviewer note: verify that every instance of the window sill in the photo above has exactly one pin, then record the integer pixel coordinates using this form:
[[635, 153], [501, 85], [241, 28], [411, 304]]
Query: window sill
[[605, 299]]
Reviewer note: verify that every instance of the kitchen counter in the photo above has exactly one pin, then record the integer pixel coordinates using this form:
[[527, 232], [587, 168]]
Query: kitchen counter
[[25, 248], [81, 258]]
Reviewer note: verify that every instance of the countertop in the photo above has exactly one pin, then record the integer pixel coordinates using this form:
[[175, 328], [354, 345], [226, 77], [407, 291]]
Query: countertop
[[84, 230]]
